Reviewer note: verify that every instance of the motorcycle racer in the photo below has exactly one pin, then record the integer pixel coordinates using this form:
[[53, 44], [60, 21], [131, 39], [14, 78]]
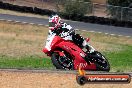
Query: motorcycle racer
[[65, 48], [66, 32]]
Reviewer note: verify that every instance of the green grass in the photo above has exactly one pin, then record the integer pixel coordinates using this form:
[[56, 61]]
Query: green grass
[[28, 62], [122, 60]]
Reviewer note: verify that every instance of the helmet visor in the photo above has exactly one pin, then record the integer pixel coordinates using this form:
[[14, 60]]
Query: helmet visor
[[51, 24]]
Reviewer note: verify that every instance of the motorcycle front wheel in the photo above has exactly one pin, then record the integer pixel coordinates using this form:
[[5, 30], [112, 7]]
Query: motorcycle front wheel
[[101, 62], [62, 62]]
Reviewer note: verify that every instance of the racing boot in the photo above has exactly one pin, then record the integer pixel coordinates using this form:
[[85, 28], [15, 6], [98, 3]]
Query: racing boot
[[88, 51], [86, 45]]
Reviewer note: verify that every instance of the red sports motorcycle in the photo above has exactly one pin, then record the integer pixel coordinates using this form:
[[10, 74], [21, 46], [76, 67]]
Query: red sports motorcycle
[[67, 55]]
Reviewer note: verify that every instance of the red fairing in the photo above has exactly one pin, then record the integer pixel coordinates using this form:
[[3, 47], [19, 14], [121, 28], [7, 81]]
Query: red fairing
[[52, 45], [55, 41], [45, 50], [83, 64], [75, 52]]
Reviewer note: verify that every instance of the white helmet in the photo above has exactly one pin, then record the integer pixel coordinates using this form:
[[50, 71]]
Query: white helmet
[[54, 21]]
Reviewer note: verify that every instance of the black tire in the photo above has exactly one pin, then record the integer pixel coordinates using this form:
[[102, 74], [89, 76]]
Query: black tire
[[81, 80], [101, 65], [57, 63]]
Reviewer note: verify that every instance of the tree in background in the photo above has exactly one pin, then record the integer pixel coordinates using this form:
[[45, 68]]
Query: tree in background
[[76, 8], [120, 9]]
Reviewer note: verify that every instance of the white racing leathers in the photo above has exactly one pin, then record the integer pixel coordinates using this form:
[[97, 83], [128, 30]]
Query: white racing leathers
[[67, 36], [71, 30], [66, 33]]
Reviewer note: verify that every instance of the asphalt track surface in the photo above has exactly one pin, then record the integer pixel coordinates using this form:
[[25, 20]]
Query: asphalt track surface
[[112, 30], [62, 71]]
